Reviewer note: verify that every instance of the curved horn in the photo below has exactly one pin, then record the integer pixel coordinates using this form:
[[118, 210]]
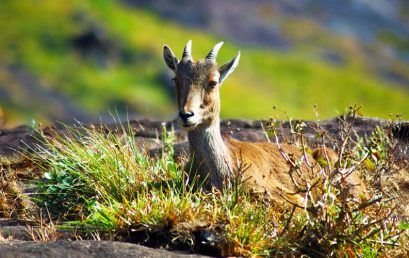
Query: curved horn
[[213, 53], [187, 52]]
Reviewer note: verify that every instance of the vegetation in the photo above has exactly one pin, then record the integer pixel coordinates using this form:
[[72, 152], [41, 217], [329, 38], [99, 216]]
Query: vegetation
[[126, 70], [103, 182]]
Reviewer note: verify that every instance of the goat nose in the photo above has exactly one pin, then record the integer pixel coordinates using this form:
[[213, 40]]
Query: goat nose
[[185, 115]]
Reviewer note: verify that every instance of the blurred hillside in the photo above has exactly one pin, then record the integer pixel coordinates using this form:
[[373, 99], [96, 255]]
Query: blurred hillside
[[66, 60]]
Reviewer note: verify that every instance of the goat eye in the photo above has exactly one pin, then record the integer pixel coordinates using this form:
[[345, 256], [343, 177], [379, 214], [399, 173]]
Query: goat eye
[[212, 84]]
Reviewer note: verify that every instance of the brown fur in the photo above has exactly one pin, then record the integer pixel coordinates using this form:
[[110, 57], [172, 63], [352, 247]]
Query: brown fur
[[268, 172]]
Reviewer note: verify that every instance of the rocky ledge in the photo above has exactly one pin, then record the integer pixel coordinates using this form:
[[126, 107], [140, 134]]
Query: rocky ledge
[[81, 249], [16, 141]]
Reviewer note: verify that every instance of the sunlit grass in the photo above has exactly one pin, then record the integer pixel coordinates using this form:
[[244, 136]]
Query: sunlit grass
[[102, 178], [109, 182]]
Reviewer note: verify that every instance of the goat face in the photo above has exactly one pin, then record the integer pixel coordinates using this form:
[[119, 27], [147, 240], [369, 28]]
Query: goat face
[[197, 86]]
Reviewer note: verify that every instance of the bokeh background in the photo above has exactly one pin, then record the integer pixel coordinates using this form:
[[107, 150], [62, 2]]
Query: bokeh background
[[82, 60]]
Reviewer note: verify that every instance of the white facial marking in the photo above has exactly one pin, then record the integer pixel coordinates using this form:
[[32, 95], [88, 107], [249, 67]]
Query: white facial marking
[[192, 107]]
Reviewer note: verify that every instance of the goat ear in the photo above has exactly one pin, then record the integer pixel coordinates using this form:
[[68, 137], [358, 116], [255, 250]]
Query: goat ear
[[228, 68], [170, 59]]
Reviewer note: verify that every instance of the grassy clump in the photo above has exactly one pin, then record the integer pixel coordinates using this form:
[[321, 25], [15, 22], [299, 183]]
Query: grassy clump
[[107, 181], [14, 203]]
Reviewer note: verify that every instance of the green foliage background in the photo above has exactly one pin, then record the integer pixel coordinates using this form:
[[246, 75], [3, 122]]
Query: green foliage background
[[37, 36]]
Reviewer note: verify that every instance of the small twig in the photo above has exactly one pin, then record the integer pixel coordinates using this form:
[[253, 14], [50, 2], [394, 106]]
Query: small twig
[[372, 233], [305, 153], [385, 243], [283, 154], [347, 171], [366, 204], [287, 222]]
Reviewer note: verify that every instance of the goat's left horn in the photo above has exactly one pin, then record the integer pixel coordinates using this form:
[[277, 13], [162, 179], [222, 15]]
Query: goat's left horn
[[213, 53], [187, 52]]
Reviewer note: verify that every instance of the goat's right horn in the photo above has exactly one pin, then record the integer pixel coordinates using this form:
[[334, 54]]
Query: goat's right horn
[[213, 53], [187, 52]]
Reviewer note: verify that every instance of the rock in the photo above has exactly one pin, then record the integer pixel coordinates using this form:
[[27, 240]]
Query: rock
[[14, 142], [81, 249]]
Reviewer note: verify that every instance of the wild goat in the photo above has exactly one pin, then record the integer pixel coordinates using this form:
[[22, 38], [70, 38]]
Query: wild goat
[[263, 166]]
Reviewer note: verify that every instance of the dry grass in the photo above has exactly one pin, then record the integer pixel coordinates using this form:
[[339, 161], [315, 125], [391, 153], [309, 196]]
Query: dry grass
[[14, 203]]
